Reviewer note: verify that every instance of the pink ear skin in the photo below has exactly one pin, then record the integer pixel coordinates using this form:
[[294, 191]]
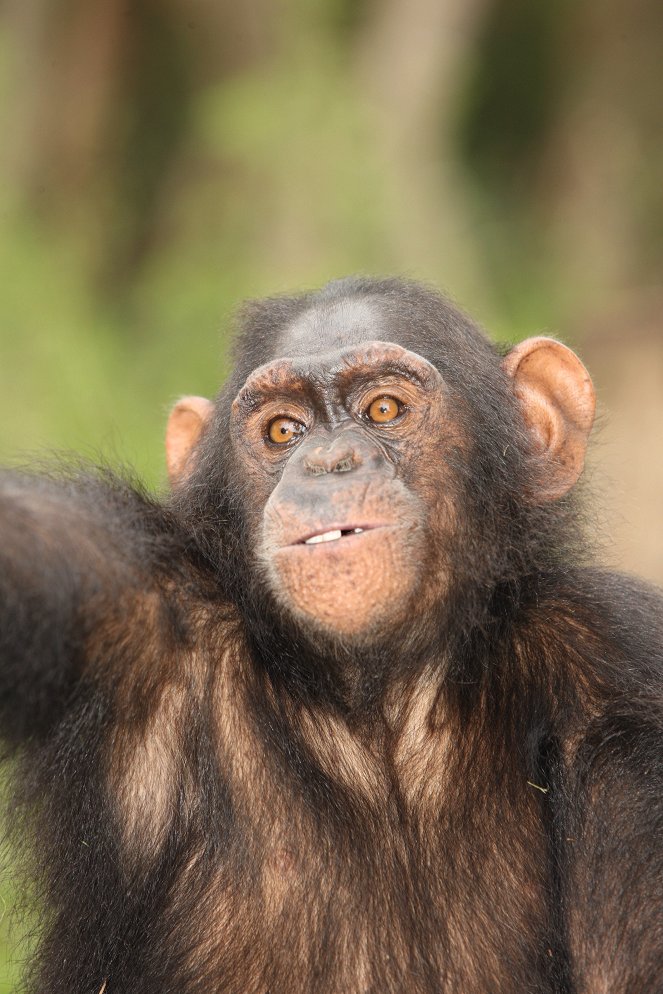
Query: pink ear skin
[[185, 425], [558, 403]]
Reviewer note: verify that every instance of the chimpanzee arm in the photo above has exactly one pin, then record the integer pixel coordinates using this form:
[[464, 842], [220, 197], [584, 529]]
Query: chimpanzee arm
[[616, 879], [614, 836], [77, 554]]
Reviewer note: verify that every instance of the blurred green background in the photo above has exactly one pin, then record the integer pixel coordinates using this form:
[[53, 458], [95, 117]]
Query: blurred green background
[[161, 160]]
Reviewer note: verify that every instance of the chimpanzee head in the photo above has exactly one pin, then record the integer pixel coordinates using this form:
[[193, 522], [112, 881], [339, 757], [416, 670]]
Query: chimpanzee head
[[374, 462]]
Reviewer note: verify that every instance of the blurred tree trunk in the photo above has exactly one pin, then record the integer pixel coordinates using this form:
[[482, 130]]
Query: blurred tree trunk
[[101, 102], [66, 81], [601, 182], [411, 59]]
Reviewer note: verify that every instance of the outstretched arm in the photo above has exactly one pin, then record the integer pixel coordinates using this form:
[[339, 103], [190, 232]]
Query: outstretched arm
[[80, 555]]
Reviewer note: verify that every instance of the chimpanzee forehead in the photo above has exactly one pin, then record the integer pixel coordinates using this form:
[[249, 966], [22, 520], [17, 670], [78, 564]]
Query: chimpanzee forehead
[[334, 325]]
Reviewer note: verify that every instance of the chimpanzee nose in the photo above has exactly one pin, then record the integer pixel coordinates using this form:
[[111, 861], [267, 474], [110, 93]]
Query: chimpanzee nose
[[340, 457]]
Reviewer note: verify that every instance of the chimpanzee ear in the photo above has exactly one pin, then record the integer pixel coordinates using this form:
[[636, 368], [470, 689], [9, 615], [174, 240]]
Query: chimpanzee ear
[[557, 399], [185, 424]]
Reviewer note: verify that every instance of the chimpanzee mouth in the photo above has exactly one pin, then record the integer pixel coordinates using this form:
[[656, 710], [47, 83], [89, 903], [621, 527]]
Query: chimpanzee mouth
[[333, 535], [329, 538]]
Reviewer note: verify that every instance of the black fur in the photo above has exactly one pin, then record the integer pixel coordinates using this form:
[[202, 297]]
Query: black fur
[[202, 808]]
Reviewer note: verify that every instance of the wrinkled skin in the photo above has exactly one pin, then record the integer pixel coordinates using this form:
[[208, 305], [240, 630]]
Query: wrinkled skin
[[346, 472]]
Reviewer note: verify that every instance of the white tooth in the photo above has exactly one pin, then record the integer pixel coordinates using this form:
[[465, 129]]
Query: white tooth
[[357, 531], [325, 537]]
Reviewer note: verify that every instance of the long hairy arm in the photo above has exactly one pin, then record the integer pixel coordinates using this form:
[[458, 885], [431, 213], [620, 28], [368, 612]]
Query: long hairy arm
[[79, 552]]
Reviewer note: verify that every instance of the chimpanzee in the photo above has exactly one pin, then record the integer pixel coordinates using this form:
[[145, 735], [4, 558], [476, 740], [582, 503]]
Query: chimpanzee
[[350, 710]]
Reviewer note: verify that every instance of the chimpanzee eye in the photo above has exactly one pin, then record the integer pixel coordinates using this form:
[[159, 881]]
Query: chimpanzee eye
[[282, 430], [383, 410]]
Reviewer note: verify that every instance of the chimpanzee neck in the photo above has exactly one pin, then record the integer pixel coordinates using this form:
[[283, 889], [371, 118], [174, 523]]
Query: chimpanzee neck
[[322, 670]]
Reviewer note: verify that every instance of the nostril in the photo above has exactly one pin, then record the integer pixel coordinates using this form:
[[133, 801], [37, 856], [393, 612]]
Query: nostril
[[314, 468], [344, 465]]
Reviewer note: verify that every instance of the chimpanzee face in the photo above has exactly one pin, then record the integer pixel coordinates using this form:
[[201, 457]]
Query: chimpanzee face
[[345, 453]]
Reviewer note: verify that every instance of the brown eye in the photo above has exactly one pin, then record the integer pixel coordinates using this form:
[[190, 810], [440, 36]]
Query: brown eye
[[283, 430], [384, 409]]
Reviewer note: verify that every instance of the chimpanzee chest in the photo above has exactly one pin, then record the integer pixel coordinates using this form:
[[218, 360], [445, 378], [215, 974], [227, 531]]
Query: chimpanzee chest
[[363, 904]]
